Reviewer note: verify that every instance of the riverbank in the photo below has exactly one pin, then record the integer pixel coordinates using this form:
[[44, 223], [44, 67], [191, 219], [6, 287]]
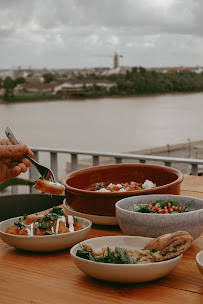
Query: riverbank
[[50, 98]]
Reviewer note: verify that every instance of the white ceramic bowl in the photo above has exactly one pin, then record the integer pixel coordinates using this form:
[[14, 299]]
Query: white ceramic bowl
[[44, 243], [199, 261], [122, 273], [153, 224]]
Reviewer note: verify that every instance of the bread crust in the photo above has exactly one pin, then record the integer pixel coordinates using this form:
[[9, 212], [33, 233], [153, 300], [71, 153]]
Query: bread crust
[[46, 186], [171, 245]]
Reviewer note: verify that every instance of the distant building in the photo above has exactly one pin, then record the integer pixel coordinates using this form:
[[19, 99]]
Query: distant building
[[78, 86], [179, 69], [118, 70], [35, 87], [34, 79], [116, 60]]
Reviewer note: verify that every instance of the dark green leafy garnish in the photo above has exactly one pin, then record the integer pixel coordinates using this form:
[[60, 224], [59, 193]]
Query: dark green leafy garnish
[[50, 232], [44, 223], [186, 208], [58, 210], [20, 224], [75, 219], [143, 209], [120, 256], [48, 219]]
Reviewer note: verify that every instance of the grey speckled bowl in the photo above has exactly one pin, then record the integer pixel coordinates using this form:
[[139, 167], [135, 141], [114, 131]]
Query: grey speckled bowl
[[154, 225]]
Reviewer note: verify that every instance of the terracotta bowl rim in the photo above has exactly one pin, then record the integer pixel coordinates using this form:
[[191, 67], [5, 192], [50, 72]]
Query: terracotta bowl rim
[[69, 188]]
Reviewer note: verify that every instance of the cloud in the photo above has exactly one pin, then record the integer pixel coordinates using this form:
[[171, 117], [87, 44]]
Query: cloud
[[55, 33]]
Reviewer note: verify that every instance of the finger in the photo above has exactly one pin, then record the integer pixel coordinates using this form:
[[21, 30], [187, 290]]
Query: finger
[[13, 172], [26, 162], [25, 149], [5, 141], [13, 151], [22, 167], [28, 151]]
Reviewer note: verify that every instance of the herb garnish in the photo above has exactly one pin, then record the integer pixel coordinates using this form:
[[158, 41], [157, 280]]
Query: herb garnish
[[20, 223], [120, 256], [57, 210], [48, 220], [44, 223]]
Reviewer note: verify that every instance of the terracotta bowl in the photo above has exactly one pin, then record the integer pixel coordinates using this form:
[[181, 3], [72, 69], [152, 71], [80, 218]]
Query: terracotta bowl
[[167, 180]]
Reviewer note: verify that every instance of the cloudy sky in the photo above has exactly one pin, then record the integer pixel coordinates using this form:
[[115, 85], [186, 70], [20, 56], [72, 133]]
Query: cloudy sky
[[86, 33]]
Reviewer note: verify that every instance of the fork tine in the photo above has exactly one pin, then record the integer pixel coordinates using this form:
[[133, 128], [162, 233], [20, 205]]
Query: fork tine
[[50, 176]]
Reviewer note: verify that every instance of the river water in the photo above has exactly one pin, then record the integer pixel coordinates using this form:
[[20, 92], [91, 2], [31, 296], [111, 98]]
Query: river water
[[109, 124]]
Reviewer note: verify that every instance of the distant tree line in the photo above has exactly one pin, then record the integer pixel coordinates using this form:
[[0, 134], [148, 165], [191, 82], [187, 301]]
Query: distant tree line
[[141, 81], [135, 82], [9, 84]]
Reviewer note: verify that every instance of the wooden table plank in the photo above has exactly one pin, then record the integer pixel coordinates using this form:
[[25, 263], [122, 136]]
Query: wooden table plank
[[46, 278], [192, 183]]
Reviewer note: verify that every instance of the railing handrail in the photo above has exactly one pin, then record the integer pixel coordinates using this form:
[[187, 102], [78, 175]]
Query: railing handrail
[[118, 157], [165, 159]]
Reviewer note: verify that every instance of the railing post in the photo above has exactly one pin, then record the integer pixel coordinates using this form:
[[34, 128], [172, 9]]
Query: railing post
[[74, 162], [95, 160], [14, 190], [118, 160], [33, 173], [194, 169], [54, 164]]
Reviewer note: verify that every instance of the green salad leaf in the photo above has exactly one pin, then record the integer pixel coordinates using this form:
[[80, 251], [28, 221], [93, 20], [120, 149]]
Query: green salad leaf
[[120, 256]]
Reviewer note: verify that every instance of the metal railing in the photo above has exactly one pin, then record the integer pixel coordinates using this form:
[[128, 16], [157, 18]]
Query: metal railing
[[117, 157]]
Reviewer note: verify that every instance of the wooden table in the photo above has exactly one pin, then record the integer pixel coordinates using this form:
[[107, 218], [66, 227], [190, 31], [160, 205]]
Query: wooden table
[[53, 278]]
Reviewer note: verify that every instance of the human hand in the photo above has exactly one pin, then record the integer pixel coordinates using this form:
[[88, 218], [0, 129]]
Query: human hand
[[12, 159]]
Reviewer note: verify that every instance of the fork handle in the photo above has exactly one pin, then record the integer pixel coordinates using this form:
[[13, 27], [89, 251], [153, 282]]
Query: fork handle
[[11, 136], [14, 141]]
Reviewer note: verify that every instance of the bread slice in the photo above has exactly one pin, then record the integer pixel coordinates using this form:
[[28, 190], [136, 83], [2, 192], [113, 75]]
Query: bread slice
[[171, 245], [46, 186]]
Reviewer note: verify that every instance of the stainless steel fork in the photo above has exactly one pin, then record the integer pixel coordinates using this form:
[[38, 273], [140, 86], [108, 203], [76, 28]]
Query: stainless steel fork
[[45, 172]]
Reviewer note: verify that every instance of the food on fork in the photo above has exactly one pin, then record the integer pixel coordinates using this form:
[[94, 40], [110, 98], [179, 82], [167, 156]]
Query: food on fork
[[47, 186], [54, 222], [160, 249]]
